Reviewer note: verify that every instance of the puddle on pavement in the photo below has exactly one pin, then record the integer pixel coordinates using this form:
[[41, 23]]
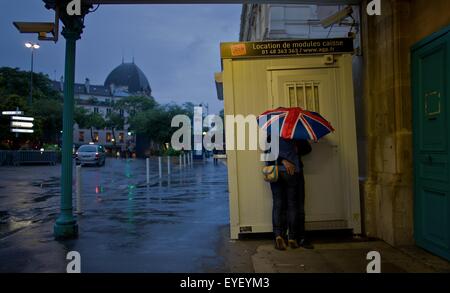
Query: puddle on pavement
[[44, 197], [10, 225], [52, 182]]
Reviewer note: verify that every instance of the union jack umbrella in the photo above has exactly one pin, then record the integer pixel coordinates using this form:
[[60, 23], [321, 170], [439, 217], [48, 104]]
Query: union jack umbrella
[[295, 123]]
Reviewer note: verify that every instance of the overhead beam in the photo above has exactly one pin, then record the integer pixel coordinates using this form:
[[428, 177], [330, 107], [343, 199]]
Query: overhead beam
[[322, 2]]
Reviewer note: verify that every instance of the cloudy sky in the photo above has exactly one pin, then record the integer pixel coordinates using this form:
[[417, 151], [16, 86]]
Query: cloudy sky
[[176, 46]]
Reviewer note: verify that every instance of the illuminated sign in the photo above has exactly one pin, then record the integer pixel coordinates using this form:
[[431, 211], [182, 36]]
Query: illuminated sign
[[21, 124], [23, 118], [286, 48], [18, 130], [12, 112]]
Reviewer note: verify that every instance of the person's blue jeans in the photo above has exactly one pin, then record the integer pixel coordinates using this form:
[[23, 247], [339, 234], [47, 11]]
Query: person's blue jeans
[[287, 205]]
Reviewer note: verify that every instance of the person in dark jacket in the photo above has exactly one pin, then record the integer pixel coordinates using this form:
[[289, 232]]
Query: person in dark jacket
[[288, 214]]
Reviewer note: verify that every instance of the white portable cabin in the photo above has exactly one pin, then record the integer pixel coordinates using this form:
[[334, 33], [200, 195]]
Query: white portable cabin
[[315, 75]]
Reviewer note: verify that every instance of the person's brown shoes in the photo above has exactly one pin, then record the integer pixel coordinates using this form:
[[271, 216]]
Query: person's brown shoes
[[279, 243], [293, 244]]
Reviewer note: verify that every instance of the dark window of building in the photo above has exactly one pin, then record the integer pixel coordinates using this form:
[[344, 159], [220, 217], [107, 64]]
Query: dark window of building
[[108, 111], [96, 110], [121, 137], [81, 136], [121, 112]]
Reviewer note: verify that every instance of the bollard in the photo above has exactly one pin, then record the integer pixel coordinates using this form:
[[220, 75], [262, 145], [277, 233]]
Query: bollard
[[160, 166], [78, 188], [181, 162], [147, 169], [168, 165]]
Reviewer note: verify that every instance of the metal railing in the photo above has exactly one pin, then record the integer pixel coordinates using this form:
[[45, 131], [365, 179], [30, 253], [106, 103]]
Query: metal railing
[[19, 157]]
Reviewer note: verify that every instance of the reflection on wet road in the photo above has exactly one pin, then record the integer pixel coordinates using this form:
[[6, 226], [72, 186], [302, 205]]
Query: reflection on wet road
[[170, 225]]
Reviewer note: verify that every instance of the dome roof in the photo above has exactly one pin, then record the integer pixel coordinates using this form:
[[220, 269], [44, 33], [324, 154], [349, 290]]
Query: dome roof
[[128, 75]]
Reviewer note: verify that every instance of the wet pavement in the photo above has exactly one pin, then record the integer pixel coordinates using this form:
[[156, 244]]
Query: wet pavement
[[176, 224], [171, 225]]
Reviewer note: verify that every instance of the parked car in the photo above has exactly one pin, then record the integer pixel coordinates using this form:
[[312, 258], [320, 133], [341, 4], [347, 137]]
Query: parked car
[[90, 154]]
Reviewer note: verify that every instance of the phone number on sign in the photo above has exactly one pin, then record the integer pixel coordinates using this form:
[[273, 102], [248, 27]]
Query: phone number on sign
[[280, 51]]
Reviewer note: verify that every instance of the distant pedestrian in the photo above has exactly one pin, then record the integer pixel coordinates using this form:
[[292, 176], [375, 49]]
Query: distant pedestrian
[[215, 152]]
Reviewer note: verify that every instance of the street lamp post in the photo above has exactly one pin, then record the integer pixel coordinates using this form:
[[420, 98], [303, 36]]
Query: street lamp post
[[32, 46], [66, 224]]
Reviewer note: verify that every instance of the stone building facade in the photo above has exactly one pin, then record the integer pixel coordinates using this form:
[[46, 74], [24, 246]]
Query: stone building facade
[[125, 80], [387, 39], [291, 21]]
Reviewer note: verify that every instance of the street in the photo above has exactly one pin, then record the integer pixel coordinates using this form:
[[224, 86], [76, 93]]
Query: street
[[177, 224], [171, 225]]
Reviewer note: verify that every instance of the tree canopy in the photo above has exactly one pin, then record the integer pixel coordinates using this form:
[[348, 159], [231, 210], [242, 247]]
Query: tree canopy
[[152, 119], [145, 116], [46, 107]]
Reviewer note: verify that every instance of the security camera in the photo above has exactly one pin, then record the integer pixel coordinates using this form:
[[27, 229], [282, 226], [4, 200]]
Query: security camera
[[47, 31], [40, 28], [34, 27], [337, 17]]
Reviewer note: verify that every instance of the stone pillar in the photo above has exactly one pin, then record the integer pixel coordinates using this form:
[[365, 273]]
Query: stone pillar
[[388, 189]]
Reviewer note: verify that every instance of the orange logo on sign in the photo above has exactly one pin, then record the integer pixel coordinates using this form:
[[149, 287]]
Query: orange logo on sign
[[238, 50]]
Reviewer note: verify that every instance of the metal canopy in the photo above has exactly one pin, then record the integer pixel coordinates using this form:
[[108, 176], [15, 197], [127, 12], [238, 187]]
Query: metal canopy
[[322, 2]]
